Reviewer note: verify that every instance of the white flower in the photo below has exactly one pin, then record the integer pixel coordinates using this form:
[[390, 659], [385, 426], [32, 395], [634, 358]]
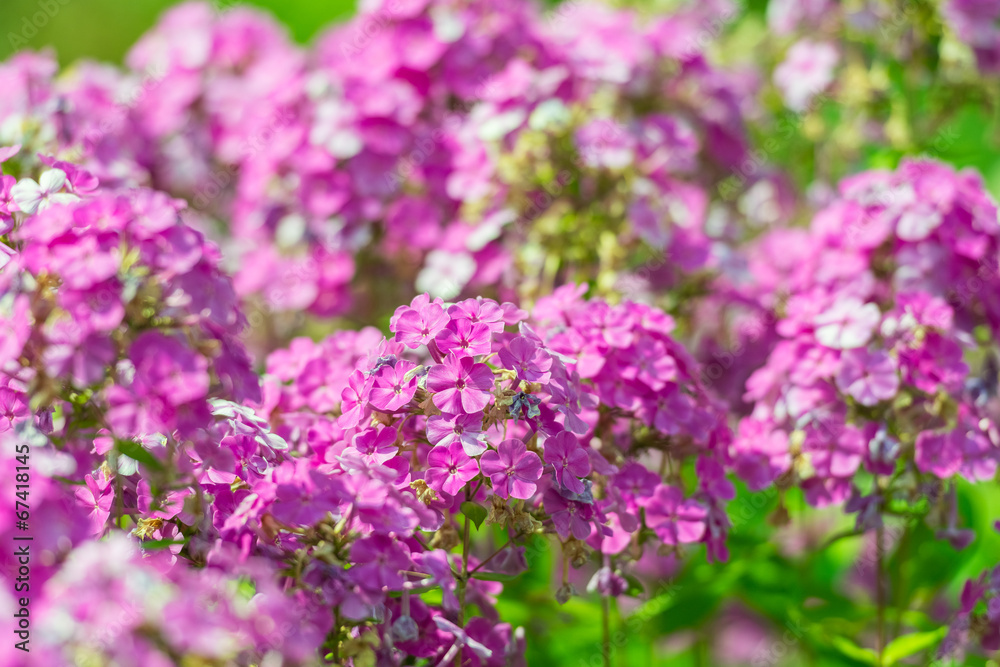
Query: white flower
[[32, 197], [445, 273], [806, 71], [847, 325]]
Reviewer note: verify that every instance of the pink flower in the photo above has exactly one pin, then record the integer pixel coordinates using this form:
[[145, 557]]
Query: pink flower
[[168, 369], [418, 324], [760, 452], [463, 337], [460, 385], [848, 324], [531, 363], [376, 446], [485, 311], [835, 455], [379, 561], [98, 497], [869, 377], [674, 519], [450, 468], [391, 389], [939, 453], [354, 397], [442, 430], [568, 459], [512, 469]]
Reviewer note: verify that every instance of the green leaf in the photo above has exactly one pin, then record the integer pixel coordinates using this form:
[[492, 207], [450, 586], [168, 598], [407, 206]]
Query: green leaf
[[153, 545], [134, 450], [635, 587], [907, 645], [853, 651], [475, 512]]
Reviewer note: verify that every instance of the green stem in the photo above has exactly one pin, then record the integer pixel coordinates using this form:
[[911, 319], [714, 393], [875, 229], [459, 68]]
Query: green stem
[[461, 585], [606, 629], [880, 593]]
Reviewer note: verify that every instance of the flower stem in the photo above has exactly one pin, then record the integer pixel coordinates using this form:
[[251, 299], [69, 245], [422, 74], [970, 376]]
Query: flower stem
[[461, 585], [606, 628], [880, 592]]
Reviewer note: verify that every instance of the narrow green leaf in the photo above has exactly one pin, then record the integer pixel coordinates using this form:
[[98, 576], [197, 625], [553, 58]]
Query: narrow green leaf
[[494, 576], [916, 642]]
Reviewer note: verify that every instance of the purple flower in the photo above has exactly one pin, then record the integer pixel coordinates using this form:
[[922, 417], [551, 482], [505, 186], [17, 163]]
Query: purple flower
[[449, 468], [568, 459], [168, 369], [512, 469], [869, 377], [442, 430], [939, 453], [460, 385], [531, 363], [378, 562], [391, 388], [569, 516], [675, 519]]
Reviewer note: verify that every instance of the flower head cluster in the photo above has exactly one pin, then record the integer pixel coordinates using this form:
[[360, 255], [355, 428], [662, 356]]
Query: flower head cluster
[[405, 131], [869, 374]]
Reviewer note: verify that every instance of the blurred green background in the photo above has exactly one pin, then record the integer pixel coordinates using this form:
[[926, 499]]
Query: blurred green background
[[106, 29]]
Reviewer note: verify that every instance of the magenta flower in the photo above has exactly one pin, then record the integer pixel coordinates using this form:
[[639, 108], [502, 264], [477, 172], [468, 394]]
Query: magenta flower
[[376, 446], [464, 337], [531, 363], [450, 468], [442, 430], [391, 389], [485, 311], [512, 469], [417, 325], [460, 385], [569, 516], [379, 561], [939, 453], [354, 398], [166, 368], [869, 377], [675, 520], [98, 498], [838, 455], [568, 459]]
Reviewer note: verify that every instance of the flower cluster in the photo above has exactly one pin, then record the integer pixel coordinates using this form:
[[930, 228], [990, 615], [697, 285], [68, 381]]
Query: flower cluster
[[434, 167], [870, 373], [469, 414]]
